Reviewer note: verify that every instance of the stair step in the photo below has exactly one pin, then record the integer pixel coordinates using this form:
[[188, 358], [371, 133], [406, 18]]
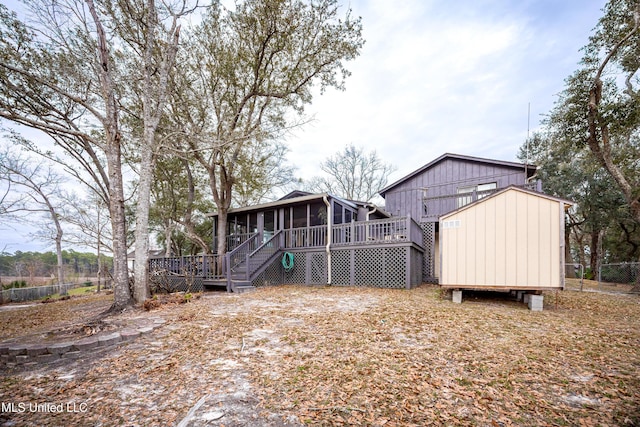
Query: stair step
[[243, 288], [214, 282]]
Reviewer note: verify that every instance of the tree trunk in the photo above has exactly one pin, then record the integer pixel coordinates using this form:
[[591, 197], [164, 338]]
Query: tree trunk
[[222, 235], [598, 138], [190, 231], [579, 238], [121, 291], [113, 153], [594, 254], [570, 271], [153, 100], [141, 271], [168, 241]]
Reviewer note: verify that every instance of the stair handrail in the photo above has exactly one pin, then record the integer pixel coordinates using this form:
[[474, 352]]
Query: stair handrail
[[279, 236], [238, 255]]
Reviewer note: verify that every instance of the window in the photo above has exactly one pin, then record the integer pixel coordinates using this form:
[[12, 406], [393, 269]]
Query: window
[[474, 192], [348, 215], [238, 225], [253, 223], [425, 198], [317, 214], [287, 218], [484, 190], [269, 224], [300, 216], [337, 213]]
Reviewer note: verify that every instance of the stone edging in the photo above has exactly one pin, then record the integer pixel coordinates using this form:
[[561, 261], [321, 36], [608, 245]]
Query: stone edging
[[14, 354]]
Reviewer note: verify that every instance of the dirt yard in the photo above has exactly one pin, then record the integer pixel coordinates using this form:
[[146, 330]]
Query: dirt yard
[[343, 356]]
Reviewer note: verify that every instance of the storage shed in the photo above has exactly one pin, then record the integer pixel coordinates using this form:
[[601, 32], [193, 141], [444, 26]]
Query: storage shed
[[510, 240]]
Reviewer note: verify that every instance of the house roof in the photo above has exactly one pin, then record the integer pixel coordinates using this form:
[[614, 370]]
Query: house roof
[[446, 156], [299, 197], [504, 190], [294, 194]]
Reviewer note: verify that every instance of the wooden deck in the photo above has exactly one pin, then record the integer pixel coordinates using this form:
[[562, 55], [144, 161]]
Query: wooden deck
[[251, 254]]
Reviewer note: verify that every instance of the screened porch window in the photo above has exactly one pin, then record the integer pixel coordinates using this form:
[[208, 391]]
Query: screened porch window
[[300, 216], [337, 213], [269, 225], [317, 214]]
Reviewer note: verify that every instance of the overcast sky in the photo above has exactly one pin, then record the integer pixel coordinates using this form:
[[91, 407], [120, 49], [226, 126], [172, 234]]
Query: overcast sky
[[439, 76], [448, 76]]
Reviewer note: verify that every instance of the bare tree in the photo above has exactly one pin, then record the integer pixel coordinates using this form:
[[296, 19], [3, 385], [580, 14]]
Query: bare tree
[[353, 174], [74, 74], [58, 77], [158, 44], [37, 189]]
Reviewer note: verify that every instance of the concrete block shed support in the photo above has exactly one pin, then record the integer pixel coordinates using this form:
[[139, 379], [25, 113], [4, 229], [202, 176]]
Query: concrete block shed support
[[520, 295], [526, 298], [536, 302], [457, 297]]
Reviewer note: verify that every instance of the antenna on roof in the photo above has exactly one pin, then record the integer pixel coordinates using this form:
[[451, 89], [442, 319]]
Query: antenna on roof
[[526, 154]]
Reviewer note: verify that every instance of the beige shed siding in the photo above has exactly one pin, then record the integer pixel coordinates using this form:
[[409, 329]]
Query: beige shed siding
[[511, 240]]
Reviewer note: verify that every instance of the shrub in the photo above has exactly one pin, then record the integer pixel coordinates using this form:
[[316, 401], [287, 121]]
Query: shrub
[[16, 284]]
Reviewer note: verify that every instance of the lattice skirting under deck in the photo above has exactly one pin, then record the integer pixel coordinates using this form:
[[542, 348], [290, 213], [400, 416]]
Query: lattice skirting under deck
[[387, 267], [428, 243]]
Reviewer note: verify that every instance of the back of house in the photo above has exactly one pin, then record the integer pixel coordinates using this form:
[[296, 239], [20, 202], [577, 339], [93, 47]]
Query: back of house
[[448, 183]]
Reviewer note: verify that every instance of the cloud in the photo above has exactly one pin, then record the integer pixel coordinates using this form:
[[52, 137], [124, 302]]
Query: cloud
[[437, 77]]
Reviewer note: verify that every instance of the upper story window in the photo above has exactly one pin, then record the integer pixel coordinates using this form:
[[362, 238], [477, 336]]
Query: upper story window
[[425, 198], [471, 193]]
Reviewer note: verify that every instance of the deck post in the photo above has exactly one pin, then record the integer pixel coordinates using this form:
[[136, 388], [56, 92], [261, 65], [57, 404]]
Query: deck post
[[247, 267], [407, 235], [352, 231], [227, 270]]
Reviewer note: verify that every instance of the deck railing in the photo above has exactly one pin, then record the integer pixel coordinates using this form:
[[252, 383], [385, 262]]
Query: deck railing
[[435, 206], [233, 241], [239, 255], [206, 266], [251, 255], [307, 237], [381, 231]]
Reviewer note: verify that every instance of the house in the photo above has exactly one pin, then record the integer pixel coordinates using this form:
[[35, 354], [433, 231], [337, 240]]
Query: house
[[325, 239], [448, 183], [321, 238]]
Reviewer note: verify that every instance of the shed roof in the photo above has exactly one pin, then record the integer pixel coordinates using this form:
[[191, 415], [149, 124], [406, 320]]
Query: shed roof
[[458, 157], [504, 190]]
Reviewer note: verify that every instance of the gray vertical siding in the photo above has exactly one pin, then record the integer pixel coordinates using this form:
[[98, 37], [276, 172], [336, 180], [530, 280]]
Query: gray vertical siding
[[444, 178]]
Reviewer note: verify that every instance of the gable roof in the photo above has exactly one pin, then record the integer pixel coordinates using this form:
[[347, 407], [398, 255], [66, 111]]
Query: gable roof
[[446, 156], [300, 197], [294, 194]]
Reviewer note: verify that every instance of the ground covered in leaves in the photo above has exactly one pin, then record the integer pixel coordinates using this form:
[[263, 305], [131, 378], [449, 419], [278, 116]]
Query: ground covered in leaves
[[329, 356], [35, 317]]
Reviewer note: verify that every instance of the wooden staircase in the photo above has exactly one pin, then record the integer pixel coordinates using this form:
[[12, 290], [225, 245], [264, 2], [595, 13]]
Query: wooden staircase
[[245, 263]]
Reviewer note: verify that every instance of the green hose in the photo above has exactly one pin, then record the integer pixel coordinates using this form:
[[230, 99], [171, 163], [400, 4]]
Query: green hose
[[287, 261]]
